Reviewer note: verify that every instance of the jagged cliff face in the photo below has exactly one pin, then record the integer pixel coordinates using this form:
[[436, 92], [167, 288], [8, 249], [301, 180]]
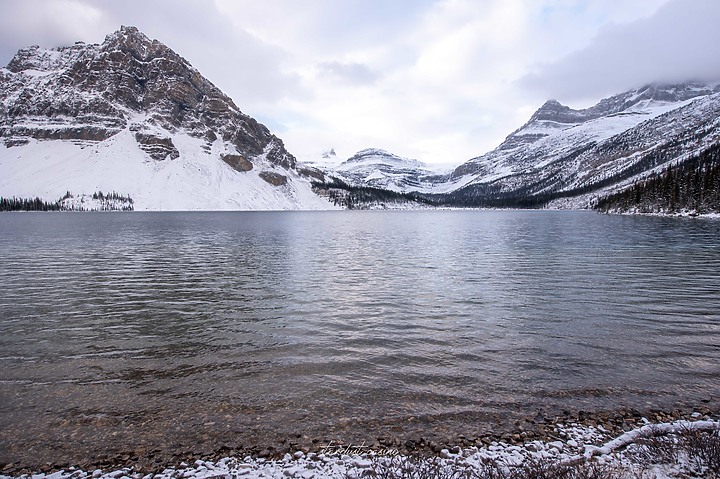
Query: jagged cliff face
[[92, 92], [131, 115]]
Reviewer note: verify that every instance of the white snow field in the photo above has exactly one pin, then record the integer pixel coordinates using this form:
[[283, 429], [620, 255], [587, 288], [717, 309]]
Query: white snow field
[[197, 180]]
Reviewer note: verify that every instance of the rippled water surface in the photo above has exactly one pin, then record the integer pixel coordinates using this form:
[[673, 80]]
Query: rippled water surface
[[130, 327]]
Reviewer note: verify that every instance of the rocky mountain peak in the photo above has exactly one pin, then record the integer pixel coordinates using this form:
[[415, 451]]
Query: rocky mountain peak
[[553, 110], [131, 40], [91, 92], [31, 58]]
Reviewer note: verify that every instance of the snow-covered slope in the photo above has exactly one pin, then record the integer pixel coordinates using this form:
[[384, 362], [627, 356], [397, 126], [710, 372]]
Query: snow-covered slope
[[196, 180], [132, 116], [380, 169], [565, 152], [569, 157]]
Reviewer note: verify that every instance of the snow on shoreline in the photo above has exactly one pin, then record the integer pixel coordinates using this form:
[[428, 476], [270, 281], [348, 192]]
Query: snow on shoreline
[[579, 444], [691, 215]]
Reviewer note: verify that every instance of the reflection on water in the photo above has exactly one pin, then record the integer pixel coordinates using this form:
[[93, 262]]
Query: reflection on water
[[315, 316]]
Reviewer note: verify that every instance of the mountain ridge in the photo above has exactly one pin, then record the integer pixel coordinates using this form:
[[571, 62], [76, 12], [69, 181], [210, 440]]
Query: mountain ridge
[[565, 158], [132, 116], [554, 152]]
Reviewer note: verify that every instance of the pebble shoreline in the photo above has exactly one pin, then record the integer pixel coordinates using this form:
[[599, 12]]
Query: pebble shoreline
[[566, 435], [576, 442]]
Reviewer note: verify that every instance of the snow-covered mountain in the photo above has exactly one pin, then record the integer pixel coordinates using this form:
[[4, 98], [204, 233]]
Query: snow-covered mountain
[[562, 157], [562, 153], [378, 168], [131, 116]]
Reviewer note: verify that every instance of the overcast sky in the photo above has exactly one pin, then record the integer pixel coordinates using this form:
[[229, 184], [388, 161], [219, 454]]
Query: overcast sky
[[440, 81]]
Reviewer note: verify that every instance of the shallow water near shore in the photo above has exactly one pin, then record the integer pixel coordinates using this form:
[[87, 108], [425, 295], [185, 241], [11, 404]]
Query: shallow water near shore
[[193, 332]]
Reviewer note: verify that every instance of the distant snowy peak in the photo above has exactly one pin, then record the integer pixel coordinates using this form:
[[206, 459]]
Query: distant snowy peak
[[381, 169], [553, 110], [652, 94], [376, 156], [319, 159]]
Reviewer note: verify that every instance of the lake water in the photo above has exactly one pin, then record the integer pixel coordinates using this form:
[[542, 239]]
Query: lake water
[[148, 331]]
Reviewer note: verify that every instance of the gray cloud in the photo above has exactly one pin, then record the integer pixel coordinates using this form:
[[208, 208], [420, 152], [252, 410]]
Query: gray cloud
[[678, 43], [434, 79], [46, 23], [241, 65], [353, 73]]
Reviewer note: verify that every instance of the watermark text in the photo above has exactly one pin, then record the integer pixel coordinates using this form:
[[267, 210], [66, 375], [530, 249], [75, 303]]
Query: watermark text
[[333, 449]]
